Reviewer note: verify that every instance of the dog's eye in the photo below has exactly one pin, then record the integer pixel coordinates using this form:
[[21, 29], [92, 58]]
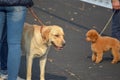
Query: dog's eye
[[56, 35]]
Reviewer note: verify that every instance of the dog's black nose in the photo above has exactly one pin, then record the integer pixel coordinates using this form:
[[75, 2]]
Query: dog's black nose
[[63, 44]]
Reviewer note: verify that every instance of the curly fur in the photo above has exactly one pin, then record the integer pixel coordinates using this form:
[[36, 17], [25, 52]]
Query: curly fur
[[100, 44]]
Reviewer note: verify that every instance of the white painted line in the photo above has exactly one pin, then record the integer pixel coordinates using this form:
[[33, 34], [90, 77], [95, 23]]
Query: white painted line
[[103, 3]]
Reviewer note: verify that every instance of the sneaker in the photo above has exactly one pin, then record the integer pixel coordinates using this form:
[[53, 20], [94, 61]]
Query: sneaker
[[5, 78], [3, 75], [1, 78], [19, 78]]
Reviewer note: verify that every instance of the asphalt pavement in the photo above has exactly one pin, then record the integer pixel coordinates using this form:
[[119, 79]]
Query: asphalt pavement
[[74, 61]]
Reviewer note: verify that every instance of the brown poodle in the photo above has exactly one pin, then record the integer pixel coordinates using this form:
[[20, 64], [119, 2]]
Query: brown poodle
[[100, 44]]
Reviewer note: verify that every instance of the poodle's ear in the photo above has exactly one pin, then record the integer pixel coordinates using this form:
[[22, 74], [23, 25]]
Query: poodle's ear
[[45, 34], [94, 36]]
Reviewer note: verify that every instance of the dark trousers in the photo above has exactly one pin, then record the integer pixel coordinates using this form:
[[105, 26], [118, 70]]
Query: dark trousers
[[116, 25]]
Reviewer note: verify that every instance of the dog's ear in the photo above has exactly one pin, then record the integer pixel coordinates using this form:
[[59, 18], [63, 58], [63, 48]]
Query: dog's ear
[[45, 34], [94, 36]]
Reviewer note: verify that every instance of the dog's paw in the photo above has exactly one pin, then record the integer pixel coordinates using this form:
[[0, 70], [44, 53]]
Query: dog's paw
[[28, 78], [93, 60], [97, 62], [42, 79], [114, 62]]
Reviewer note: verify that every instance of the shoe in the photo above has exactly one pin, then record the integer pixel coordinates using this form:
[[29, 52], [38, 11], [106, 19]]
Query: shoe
[[3, 75], [6, 76], [19, 78], [1, 79]]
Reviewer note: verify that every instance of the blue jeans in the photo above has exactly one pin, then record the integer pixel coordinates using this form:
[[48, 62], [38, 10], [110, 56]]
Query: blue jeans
[[4, 50], [14, 17], [116, 25]]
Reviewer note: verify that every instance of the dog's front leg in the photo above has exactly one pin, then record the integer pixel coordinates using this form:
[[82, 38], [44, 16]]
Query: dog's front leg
[[93, 56], [29, 67], [116, 55], [99, 57], [42, 67]]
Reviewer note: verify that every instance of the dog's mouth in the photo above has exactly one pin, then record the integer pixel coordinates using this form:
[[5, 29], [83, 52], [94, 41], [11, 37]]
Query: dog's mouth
[[57, 47]]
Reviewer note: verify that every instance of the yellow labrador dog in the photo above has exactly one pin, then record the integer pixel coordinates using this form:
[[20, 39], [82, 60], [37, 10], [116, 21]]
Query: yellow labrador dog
[[36, 43]]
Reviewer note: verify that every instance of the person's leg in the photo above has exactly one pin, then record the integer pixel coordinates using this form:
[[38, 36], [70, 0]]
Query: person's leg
[[116, 25], [4, 50], [15, 21], [2, 20], [4, 53]]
